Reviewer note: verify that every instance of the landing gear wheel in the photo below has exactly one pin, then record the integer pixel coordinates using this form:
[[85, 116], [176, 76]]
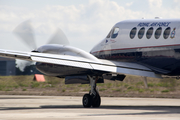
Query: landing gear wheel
[[96, 102], [87, 100], [92, 99]]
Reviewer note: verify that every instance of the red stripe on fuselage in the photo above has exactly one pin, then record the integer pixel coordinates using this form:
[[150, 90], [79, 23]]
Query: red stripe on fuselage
[[136, 48]]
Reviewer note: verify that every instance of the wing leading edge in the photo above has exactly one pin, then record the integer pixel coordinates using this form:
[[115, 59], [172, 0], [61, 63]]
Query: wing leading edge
[[103, 65]]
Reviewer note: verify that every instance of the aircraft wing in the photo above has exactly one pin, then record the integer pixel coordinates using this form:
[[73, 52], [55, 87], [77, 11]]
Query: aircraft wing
[[74, 61]]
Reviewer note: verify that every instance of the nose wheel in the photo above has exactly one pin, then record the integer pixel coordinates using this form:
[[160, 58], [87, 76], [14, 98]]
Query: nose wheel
[[93, 98]]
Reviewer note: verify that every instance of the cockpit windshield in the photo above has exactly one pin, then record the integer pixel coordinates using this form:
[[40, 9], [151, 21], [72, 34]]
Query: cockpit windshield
[[113, 33], [108, 36]]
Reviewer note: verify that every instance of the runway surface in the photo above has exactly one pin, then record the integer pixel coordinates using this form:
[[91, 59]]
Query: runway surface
[[67, 107]]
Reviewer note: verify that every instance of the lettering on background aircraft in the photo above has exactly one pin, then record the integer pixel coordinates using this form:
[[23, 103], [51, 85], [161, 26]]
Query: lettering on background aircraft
[[143, 24], [154, 24]]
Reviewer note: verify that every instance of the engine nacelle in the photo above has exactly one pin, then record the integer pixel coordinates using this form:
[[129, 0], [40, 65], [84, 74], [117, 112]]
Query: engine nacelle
[[60, 70]]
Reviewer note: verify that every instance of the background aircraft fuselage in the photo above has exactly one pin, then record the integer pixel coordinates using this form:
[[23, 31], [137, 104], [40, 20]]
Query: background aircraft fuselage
[[154, 43]]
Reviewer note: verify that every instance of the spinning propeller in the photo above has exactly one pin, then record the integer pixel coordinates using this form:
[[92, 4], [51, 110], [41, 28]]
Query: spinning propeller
[[26, 33]]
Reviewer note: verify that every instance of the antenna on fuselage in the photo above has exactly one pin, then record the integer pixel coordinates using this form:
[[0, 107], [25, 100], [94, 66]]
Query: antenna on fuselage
[[158, 17]]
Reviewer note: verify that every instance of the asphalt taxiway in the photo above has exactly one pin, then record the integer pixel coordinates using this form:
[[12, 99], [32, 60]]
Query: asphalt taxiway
[[68, 107]]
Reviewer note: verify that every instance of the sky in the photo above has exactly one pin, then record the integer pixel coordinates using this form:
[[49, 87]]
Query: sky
[[84, 22]]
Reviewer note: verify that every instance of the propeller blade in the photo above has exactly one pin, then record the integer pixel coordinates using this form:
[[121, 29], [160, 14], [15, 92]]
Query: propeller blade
[[59, 38], [26, 33]]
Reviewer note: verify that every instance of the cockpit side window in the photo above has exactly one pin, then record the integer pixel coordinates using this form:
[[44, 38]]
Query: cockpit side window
[[115, 32]]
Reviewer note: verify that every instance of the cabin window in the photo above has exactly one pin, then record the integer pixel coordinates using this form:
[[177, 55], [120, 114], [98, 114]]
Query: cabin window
[[141, 33], [167, 32], [149, 33], [115, 32], [133, 33], [158, 33]]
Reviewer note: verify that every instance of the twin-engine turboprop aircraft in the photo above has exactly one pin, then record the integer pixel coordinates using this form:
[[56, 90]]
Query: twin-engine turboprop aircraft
[[144, 47]]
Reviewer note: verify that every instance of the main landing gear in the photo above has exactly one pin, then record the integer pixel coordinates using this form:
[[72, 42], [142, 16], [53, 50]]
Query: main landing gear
[[92, 99]]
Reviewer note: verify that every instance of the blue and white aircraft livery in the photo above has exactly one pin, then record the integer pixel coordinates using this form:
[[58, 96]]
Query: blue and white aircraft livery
[[143, 47]]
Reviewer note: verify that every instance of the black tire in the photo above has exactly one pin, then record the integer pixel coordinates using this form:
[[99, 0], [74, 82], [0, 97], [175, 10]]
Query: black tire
[[96, 102], [87, 100]]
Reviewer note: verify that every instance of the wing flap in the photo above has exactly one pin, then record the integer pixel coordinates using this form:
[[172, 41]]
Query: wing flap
[[128, 70]]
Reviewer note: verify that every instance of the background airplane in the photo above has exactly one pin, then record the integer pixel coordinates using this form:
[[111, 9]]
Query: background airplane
[[143, 47]]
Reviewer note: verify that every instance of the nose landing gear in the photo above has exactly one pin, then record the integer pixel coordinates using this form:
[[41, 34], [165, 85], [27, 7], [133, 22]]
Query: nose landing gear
[[92, 99]]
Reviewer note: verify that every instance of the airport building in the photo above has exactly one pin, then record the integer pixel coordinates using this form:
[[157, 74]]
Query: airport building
[[7, 66]]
